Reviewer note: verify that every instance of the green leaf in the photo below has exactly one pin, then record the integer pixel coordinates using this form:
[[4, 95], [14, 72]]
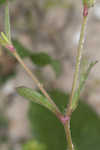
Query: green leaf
[[33, 145], [2, 1], [82, 81], [5, 78], [2, 42], [36, 97], [45, 126], [5, 38], [85, 125], [56, 66], [21, 50], [7, 21], [3, 127], [41, 59]]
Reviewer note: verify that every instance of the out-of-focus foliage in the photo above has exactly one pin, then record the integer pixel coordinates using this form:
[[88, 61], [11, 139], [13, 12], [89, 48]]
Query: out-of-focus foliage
[[56, 65], [7, 67], [2, 1], [52, 3], [3, 127], [33, 145], [42, 59], [85, 125], [39, 59], [3, 78], [21, 50]]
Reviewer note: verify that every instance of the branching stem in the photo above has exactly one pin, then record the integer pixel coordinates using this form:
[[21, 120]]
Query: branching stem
[[75, 80], [78, 60], [39, 85]]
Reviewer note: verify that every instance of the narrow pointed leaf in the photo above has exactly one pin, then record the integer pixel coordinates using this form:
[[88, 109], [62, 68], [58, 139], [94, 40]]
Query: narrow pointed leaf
[[4, 37], [83, 79], [2, 42], [36, 97]]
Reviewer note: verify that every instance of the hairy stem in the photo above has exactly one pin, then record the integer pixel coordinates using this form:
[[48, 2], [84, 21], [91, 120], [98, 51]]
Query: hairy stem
[[78, 60], [75, 80], [68, 135], [9, 45], [39, 85], [7, 21]]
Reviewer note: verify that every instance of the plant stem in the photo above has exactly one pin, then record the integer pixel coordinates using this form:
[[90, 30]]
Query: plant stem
[[75, 80], [39, 85], [7, 21], [13, 51], [68, 135], [78, 60]]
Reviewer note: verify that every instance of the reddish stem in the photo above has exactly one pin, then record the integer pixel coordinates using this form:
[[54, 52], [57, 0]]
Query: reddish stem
[[63, 119], [11, 48], [85, 11]]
